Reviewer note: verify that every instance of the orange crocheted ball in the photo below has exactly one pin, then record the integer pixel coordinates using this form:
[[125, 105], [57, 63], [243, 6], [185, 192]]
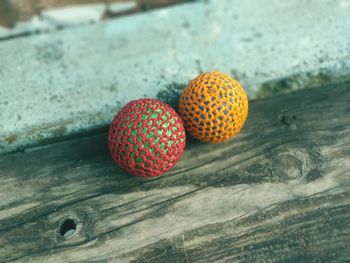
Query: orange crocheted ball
[[213, 107]]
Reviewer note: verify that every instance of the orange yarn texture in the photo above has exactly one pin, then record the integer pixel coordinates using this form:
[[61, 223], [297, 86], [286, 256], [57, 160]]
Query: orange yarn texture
[[213, 107]]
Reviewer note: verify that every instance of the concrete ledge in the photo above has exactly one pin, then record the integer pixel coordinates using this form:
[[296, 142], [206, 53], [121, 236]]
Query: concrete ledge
[[74, 80]]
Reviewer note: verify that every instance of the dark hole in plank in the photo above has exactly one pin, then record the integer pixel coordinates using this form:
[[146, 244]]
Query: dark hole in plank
[[67, 228]]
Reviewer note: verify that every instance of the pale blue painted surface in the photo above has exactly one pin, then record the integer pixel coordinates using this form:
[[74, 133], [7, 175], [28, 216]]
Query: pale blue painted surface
[[74, 80]]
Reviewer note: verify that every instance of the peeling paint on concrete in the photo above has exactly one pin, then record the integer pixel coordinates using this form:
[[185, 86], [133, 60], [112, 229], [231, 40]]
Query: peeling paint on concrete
[[82, 76]]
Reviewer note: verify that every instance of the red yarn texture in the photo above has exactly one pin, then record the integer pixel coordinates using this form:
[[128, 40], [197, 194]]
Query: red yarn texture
[[146, 137]]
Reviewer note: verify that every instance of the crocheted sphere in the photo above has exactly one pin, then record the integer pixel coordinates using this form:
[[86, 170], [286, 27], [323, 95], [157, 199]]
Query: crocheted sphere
[[213, 107], [146, 137]]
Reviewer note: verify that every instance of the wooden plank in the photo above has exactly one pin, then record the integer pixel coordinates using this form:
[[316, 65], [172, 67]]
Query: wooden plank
[[279, 191]]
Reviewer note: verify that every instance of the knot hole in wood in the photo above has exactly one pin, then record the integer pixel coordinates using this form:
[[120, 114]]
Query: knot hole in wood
[[67, 227]]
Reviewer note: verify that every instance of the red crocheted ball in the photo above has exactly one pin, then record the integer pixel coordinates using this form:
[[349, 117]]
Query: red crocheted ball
[[146, 137]]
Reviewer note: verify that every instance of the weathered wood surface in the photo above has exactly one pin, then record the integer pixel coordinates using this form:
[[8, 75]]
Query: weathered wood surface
[[279, 191]]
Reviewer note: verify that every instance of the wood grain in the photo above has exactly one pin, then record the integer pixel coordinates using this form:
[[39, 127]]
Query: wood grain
[[279, 191]]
